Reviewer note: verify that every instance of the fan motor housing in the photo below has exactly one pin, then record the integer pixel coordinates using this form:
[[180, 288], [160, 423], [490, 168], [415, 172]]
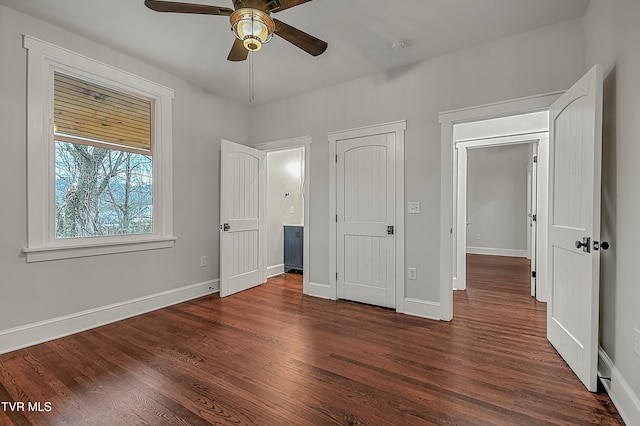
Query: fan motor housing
[[263, 5]]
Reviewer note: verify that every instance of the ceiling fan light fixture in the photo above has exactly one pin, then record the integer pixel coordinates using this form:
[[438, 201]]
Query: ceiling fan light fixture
[[254, 27]]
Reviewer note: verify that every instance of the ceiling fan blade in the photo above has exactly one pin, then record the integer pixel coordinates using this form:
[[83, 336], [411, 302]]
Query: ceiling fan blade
[[313, 46], [238, 51], [172, 6], [287, 4]]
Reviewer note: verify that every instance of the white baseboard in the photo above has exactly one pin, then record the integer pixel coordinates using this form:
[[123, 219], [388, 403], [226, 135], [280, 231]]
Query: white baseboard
[[274, 270], [626, 401], [323, 291], [43, 331], [422, 308], [497, 251]]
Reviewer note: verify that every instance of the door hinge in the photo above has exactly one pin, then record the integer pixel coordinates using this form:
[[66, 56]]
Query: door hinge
[[336, 218], [535, 158], [533, 274], [336, 158], [534, 218], [336, 276]]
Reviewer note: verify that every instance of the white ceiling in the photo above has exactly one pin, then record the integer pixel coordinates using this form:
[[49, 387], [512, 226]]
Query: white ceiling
[[359, 34]]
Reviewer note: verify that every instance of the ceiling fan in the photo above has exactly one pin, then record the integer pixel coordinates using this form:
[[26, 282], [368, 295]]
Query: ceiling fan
[[251, 23]]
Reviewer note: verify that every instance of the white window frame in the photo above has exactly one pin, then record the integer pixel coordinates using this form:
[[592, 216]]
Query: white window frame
[[42, 245]]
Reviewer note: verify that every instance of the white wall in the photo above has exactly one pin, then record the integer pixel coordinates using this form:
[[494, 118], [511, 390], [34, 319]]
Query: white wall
[[47, 290], [541, 61], [497, 199], [611, 39], [285, 174]]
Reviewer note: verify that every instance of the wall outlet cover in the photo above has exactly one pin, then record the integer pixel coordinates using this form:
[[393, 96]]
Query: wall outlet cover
[[414, 207], [203, 261], [413, 274]]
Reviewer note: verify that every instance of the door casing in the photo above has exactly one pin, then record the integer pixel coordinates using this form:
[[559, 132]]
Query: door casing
[[449, 177]]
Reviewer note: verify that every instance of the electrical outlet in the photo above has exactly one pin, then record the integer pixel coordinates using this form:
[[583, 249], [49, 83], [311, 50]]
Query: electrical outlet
[[203, 261], [292, 210], [636, 341], [413, 274], [477, 236]]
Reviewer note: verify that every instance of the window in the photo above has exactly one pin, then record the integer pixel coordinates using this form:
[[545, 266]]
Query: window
[[99, 158]]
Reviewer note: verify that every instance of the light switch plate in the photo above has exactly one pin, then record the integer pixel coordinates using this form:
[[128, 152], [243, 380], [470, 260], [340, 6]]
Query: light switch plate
[[414, 207], [413, 274]]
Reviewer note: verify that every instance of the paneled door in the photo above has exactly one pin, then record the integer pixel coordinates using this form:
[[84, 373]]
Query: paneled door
[[575, 147], [242, 189], [365, 219]]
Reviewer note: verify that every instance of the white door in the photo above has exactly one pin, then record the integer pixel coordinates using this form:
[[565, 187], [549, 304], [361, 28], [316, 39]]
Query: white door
[[533, 220], [366, 219], [575, 164], [242, 189]]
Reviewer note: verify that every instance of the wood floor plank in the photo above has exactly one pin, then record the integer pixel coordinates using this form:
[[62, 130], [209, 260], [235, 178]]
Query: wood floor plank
[[271, 355]]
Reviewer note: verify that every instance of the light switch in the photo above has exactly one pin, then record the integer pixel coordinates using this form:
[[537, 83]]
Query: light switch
[[414, 207], [413, 274]]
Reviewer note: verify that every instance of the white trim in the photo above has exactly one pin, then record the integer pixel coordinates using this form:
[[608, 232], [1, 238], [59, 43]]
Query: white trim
[[399, 128], [43, 331], [42, 254], [422, 308], [623, 397], [323, 291], [281, 145], [43, 59], [274, 270], [490, 251], [448, 179]]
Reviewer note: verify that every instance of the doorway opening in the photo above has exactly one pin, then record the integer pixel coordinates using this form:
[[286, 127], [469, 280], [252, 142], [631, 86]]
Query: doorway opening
[[285, 211], [287, 208], [511, 227], [471, 128]]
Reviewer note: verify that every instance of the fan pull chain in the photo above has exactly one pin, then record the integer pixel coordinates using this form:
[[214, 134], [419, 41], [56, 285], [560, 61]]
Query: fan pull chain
[[251, 82]]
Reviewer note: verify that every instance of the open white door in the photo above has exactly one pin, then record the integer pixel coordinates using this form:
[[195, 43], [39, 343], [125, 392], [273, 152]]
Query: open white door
[[575, 165], [242, 189]]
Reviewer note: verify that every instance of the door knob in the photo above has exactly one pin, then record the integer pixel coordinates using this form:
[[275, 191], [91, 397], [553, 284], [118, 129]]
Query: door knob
[[604, 245], [585, 244]]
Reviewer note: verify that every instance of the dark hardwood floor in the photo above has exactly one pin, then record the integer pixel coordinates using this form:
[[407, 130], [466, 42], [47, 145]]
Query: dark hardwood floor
[[271, 356]]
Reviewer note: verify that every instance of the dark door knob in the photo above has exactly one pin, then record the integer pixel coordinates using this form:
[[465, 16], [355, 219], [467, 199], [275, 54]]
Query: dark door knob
[[585, 244], [604, 245]]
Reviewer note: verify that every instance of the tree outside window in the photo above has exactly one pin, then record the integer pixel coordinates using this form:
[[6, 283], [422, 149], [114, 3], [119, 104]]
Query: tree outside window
[[103, 161]]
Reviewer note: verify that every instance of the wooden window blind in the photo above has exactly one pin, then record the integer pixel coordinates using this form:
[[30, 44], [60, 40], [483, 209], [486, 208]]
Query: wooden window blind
[[90, 114]]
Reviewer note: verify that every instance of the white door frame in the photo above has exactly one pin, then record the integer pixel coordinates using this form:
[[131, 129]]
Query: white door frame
[[449, 177], [462, 147], [331, 290], [282, 145]]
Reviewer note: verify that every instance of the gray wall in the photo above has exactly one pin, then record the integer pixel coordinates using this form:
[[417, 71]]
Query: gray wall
[[611, 39], [285, 174], [541, 61], [497, 197], [40, 291]]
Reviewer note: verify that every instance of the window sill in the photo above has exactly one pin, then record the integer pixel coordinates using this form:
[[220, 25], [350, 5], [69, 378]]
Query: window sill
[[42, 254]]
